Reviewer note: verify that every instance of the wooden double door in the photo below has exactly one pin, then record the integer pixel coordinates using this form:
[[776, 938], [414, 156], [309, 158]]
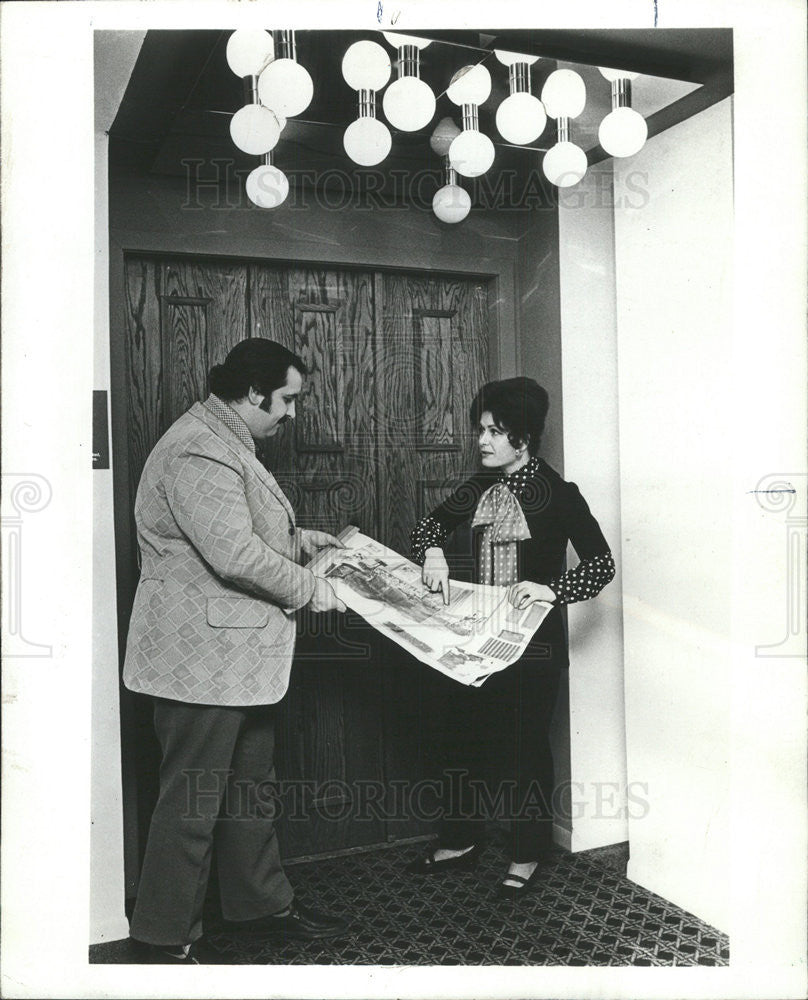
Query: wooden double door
[[381, 435]]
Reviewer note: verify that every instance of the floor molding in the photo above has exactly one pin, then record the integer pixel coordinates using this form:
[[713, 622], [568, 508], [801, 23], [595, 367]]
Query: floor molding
[[562, 836]]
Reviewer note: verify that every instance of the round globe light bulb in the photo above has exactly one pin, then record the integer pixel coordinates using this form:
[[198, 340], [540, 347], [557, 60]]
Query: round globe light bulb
[[617, 74], [623, 132], [510, 58], [366, 66], [470, 85], [409, 104], [249, 50], [396, 40], [565, 164], [563, 94], [367, 141], [441, 139], [267, 187], [521, 118], [451, 203], [286, 87], [471, 153], [255, 129]]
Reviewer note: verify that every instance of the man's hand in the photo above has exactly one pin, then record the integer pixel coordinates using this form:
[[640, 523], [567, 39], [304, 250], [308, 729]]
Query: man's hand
[[435, 573], [525, 592], [324, 598], [312, 541]]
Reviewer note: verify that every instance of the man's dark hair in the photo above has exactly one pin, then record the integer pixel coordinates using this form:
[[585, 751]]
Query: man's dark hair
[[255, 363], [518, 405]]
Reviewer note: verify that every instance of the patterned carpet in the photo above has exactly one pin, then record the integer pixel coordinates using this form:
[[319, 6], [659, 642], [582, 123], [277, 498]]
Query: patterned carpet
[[584, 911]]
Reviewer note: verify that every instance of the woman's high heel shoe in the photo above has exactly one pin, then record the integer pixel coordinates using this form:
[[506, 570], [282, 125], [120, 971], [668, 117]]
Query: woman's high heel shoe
[[515, 891], [428, 865]]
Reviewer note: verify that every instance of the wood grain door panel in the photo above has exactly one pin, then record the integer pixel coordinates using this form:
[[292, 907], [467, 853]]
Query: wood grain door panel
[[435, 336], [381, 435], [326, 464]]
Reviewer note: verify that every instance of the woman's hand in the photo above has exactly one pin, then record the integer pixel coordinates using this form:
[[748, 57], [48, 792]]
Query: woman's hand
[[312, 541], [435, 573], [525, 592]]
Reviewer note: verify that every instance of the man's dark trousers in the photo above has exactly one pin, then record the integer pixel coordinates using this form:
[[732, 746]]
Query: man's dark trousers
[[209, 752]]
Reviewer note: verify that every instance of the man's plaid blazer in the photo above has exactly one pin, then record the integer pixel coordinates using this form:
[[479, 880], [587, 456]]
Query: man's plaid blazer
[[213, 619]]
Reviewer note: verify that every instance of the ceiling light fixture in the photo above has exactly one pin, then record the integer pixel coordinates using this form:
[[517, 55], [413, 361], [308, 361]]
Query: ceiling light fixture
[[366, 68], [623, 131], [471, 152], [408, 102], [254, 128], [285, 85], [441, 139], [564, 97], [521, 118], [451, 202], [267, 186], [367, 140], [249, 51]]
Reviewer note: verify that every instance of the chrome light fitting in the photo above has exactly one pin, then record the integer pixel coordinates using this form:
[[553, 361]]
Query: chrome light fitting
[[471, 152], [564, 97], [451, 202], [254, 128], [521, 117], [623, 131], [274, 89], [285, 85], [408, 102], [366, 68], [267, 186]]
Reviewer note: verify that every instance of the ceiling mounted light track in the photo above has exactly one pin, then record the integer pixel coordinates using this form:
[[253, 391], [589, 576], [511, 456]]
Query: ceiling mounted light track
[[276, 86]]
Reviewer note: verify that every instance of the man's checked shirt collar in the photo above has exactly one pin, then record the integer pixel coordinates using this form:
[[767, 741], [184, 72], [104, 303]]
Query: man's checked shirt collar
[[231, 420]]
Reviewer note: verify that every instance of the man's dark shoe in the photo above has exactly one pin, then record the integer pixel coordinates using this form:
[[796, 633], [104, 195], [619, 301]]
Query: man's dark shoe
[[301, 923]]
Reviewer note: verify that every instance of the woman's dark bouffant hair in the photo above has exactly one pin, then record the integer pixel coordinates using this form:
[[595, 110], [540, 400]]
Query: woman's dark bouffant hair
[[255, 363], [518, 405]]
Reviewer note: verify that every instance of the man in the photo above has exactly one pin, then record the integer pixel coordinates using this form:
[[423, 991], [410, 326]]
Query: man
[[211, 640]]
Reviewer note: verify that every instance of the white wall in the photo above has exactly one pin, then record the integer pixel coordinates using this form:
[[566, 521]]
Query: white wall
[[673, 271], [768, 363], [107, 919], [590, 393]]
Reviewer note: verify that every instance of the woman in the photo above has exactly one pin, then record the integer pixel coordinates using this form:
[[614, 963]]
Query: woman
[[522, 515]]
